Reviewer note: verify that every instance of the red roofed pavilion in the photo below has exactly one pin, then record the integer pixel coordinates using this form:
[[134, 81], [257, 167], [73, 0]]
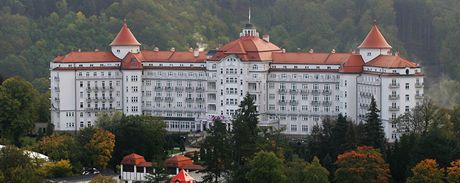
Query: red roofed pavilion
[[374, 39], [182, 177]]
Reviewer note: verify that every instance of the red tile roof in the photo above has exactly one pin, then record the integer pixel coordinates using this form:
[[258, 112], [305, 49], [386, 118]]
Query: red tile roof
[[173, 56], [182, 177], [132, 61], [135, 159], [311, 58], [374, 39], [350, 62], [145, 55], [354, 64], [248, 48], [88, 56], [391, 61], [125, 38], [178, 161]]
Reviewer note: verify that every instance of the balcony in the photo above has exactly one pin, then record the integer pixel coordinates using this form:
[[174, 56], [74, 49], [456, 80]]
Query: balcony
[[282, 102], [168, 89], [393, 108], [168, 99], [304, 91], [293, 102], [293, 91], [327, 103], [189, 89], [282, 91], [364, 106], [393, 97], [199, 89], [327, 92], [56, 89], [315, 92], [200, 99], [419, 96], [189, 99], [157, 88], [179, 88], [315, 103], [394, 85], [418, 85], [158, 99]]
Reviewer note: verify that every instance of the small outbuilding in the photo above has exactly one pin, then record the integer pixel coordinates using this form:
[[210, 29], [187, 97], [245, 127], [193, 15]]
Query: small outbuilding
[[134, 168], [182, 177]]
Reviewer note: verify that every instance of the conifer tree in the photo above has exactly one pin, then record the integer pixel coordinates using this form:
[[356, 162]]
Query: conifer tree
[[216, 151], [244, 137], [375, 135], [339, 134]]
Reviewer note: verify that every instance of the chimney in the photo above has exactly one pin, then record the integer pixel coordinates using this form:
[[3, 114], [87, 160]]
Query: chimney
[[96, 49], [283, 50], [311, 51], [79, 50], [156, 49], [266, 37], [333, 51], [173, 49], [353, 51], [190, 49], [396, 53], [196, 52]]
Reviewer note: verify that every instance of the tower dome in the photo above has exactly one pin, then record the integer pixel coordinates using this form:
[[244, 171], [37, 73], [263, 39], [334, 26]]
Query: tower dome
[[125, 42]]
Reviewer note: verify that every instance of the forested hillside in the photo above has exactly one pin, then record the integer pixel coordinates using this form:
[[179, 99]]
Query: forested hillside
[[32, 32]]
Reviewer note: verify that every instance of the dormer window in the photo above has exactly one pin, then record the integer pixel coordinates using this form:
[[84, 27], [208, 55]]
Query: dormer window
[[118, 51], [369, 53]]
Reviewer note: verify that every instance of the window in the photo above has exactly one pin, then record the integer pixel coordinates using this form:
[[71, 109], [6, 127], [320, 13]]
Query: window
[[407, 108], [304, 107], [407, 97], [304, 128], [293, 128], [407, 86], [369, 53], [255, 67]]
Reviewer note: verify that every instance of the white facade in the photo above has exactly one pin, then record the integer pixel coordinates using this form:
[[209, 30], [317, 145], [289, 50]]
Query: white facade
[[188, 93]]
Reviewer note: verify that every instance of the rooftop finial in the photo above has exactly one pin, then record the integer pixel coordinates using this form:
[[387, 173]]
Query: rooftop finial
[[124, 20], [375, 22], [249, 14]]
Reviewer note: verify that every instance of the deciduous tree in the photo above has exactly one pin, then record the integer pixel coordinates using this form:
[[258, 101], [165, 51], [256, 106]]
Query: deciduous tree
[[266, 167], [426, 171], [365, 164], [453, 172]]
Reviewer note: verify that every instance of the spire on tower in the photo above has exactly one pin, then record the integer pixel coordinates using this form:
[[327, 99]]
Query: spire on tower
[[249, 15]]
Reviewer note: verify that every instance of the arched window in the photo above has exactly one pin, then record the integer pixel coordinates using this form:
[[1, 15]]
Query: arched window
[[255, 67], [407, 71]]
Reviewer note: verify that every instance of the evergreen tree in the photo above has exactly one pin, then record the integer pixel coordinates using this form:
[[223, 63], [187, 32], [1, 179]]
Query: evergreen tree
[[244, 137], [216, 151], [315, 173], [375, 135], [339, 134]]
